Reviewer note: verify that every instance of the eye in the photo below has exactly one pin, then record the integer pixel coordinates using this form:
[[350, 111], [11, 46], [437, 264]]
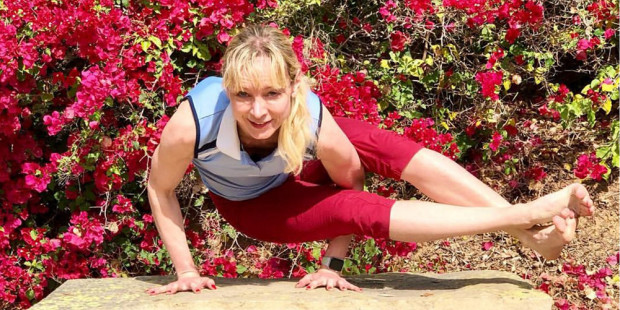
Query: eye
[[243, 94], [274, 93]]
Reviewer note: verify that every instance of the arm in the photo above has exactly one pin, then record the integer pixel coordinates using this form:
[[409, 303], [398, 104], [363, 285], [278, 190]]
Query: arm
[[338, 155], [168, 165], [343, 165]]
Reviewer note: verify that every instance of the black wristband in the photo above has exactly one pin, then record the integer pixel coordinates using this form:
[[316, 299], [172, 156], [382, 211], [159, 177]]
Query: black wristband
[[333, 263]]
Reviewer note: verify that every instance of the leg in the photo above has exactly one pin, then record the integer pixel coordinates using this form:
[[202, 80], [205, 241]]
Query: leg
[[425, 221], [445, 181], [298, 211]]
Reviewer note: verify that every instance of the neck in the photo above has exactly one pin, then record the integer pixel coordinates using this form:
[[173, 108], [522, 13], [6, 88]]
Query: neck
[[249, 142]]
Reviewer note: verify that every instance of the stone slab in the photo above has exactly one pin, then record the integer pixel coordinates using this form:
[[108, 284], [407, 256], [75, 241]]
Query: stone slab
[[478, 290]]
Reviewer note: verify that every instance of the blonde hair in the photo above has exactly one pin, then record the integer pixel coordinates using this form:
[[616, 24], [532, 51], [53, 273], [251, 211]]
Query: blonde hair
[[238, 62]]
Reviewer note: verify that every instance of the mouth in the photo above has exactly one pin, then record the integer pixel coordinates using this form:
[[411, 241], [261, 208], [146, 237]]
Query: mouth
[[259, 125]]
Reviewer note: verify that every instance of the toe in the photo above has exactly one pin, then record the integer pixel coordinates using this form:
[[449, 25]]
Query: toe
[[560, 223], [579, 191], [569, 233]]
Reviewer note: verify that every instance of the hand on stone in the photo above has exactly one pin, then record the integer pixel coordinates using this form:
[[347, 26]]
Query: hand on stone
[[185, 282], [327, 278]]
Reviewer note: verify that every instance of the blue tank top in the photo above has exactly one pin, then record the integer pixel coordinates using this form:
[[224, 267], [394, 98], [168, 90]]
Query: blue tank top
[[224, 167]]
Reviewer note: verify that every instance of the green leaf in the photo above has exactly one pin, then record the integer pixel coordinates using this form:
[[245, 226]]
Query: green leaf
[[145, 45], [47, 97], [187, 47], [603, 152], [316, 253], [606, 106], [156, 41], [30, 294], [199, 202], [241, 269]]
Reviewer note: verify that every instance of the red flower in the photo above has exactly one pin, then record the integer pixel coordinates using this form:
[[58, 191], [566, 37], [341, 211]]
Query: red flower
[[340, 38], [398, 41], [588, 165], [536, 173], [512, 34]]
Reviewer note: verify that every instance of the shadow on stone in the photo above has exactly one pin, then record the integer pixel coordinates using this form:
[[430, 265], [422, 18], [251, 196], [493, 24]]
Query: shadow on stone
[[408, 281]]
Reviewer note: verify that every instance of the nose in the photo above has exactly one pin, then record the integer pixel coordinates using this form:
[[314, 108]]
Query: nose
[[258, 110]]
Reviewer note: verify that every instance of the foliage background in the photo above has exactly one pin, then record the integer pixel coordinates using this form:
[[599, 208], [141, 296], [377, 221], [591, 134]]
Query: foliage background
[[523, 94]]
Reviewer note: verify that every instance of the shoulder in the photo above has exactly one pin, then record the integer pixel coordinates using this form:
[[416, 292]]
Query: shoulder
[[208, 97], [208, 89], [180, 130]]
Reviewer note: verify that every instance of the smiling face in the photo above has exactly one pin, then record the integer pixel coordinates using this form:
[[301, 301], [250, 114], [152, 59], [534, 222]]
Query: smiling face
[[260, 104]]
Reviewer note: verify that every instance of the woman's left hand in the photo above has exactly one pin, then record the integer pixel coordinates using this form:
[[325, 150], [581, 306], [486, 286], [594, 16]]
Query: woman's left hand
[[327, 278]]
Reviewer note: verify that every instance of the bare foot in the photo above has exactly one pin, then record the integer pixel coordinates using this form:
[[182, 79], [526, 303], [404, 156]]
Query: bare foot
[[574, 197], [549, 241]]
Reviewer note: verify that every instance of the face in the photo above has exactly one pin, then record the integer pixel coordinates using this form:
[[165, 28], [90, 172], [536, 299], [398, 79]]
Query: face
[[260, 109]]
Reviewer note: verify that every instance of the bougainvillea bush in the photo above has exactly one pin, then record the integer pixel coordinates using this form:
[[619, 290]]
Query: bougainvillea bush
[[87, 86]]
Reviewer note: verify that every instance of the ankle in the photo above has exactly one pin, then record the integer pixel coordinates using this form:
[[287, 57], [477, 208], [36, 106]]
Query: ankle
[[523, 218]]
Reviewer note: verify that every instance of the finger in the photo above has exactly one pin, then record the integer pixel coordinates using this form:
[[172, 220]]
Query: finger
[[195, 286], [173, 288], [329, 284], [349, 286], [316, 283], [304, 281], [208, 283], [342, 284], [154, 290]]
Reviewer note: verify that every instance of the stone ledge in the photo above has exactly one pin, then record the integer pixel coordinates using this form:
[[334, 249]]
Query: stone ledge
[[460, 290]]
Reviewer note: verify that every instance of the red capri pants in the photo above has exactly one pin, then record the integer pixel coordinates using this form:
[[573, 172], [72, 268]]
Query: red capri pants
[[309, 207]]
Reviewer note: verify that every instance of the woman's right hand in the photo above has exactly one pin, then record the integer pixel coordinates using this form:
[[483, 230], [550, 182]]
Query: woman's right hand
[[185, 282]]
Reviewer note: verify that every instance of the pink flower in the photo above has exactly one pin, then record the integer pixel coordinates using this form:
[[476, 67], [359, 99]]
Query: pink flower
[[123, 206], [583, 44], [54, 123], [487, 245], [223, 37], [496, 142], [613, 259], [489, 81], [609, 33], [497, 55]]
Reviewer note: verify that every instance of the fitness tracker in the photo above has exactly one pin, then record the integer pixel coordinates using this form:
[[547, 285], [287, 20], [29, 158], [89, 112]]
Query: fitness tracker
[[333, 263]]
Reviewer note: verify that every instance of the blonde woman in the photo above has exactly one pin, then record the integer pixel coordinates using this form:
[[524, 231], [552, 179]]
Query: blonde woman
[[248, 132]]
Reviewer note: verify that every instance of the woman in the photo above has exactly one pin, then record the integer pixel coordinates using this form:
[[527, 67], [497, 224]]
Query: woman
[[248, 132]]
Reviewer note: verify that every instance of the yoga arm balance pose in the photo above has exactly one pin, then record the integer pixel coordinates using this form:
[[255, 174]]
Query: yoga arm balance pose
[[246, 134]]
